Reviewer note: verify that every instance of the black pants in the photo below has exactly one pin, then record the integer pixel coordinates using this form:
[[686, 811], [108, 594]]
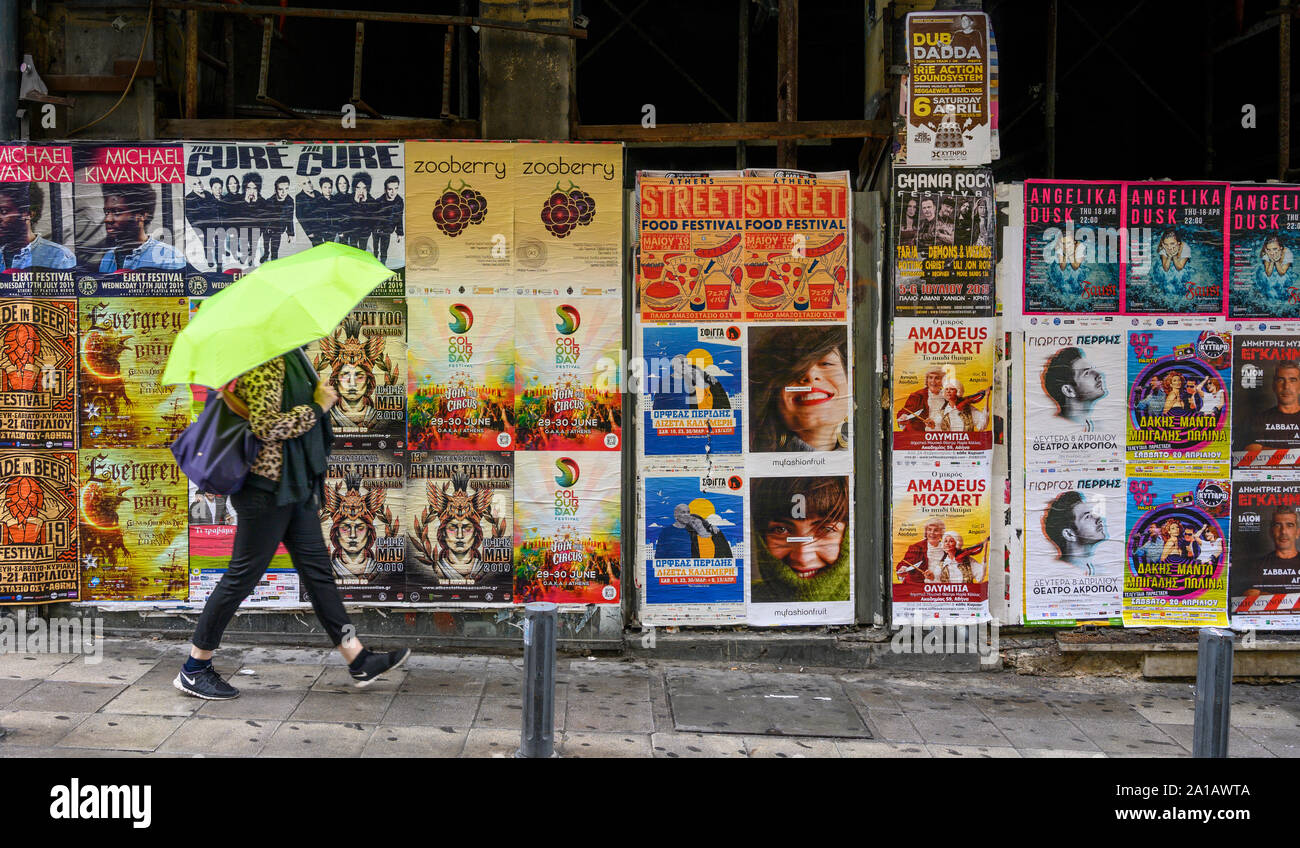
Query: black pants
[[261, 526]]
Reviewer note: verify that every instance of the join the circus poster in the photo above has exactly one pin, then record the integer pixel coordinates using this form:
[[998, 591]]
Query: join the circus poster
[[1178, 395], [692, 398], [38, 359], [38, 526], [36, 233]]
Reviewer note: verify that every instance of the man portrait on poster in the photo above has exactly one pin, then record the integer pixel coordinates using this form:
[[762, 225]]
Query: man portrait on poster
[[1277, 571], [691, 536], [128, 212], [21, 205], [923, 559], [1072, 382], [211, 508], [1076, 526], [924, 404], [1278, 428], [389, 217], [277, 219]]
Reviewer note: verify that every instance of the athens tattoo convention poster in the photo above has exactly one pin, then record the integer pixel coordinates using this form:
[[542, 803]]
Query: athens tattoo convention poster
[[133, 527], [361, 517], [1074, 545], [944, 235], [568, 527], [129, 218], [948, 110], [38, 527], [1073, 247], [124, 346], [1263, 240], [1264, 581], [460, 527], [694, 545], [1074, 395], [1178, 395], [1177, 553], [1177, 245], [943, 384], [692, 397], [942, 521], [212, 525], [364, 361], [36, 233], [38, 383], [1266, 401]]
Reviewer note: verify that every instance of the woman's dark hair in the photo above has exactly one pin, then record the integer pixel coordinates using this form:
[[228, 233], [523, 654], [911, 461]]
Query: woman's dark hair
[[779, 357]]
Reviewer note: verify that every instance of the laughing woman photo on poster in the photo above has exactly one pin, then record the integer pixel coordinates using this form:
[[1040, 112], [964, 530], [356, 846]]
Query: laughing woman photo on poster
[[802, 526], [799, 388]]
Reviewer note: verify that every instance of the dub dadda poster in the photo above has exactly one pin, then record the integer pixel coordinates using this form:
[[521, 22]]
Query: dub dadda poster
[[38, 352], [38, 526]]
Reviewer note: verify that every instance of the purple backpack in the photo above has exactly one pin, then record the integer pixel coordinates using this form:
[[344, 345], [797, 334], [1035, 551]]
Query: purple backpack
[[215, 452]]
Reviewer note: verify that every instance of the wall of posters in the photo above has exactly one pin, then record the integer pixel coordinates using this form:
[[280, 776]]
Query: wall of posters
[[1074, 545], [133, 528], [460, 532], [1266, 402], [692, 396], [943, 243], [1177, 248], [36, 233], [948, 118], [361, 518], [1178, 395], [943, 380], [1074, 395], [38, 387], [1263, 281], [1073, 247], [1264, 582], [1177, 552], [38, 526], [364, 360]]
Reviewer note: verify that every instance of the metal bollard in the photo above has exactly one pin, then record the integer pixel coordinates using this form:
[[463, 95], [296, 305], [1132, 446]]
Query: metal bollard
[[537, 738], [1213, 693]]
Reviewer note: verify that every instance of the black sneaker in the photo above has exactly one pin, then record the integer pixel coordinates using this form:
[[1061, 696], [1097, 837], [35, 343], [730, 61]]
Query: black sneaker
[[375, 665], [205, 684]]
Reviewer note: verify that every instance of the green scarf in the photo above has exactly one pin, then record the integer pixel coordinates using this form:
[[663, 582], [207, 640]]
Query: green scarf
[[775, 582], [303, 475]]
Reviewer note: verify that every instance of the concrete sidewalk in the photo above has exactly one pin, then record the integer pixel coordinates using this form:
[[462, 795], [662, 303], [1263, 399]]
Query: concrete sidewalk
[[301, 703]]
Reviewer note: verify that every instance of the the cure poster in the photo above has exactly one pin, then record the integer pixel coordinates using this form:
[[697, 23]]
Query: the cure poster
[[566, 375], [1074, 545], [461, 378], [567, 527], [134, 532], [1266, 401], [942, 513], [1264, 582], [129, 218], [36, 255], [460, 527], [1073, 247], [694, 544], [1263, 241], [943, 384], [692, 397], [1074, 395], [212, 525], [364, 361], [38, 526], [948, 116], [125, 343], [362, 517], [1178, 396], [943, 245], [1176, 248], [38, 353], [1176, 557]]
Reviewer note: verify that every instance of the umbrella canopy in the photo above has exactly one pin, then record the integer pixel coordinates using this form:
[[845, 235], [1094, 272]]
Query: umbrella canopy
[[282, 305]]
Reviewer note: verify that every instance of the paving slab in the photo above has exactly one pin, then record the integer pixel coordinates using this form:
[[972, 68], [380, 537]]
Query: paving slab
[[1132, 738], [976, 752], [706, 701], [361, 707], [454, 682], [1044, 733], [580, 745], [1055, 753], [41, 728], [111, 670], [696, 745], [338, 679], [275, 676], [394, 741], [11, 688], [224, 736], [66, 697], [940, 729], [259, 705], [608, 713], [891, 726], [33, 666], [787, 748], [122, 732], [156, 697], [1278, 742], [859, 749], [483, 742], [1239, 744], [431, 711], [318, 739]]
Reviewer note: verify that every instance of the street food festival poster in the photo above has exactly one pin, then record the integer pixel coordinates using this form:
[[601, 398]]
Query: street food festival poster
[[461, 373], [1073, 247], [943, 384], [38, 526], [693, 397], [1264, 582], [133, 527], [1074, 545], [1177, 248], [567, 394], [569, 214], [945, 231], [36, 255], [38, 377], [1074, 395], [568, 527], [461, 215], [364, 361], [1177, 554], [362, 517], [942, 522], [1266, 402], [694, 544], [1178, 395], [129, 218], [124, 346], [459, 526], [948, 119], [1263, 242], [796, 247], [213, 521], [692, 230]]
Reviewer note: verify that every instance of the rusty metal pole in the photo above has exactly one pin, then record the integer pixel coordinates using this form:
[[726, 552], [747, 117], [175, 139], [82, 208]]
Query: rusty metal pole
[[228, 42], [1049, 90], [1284, 90], [191, 64], [787, 79], [742, 80]]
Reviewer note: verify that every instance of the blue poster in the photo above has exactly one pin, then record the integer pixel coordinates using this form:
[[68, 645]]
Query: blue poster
[[691, 395], [694, 545]]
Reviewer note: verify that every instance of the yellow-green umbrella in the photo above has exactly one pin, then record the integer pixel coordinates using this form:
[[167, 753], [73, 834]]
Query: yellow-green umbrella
[[282, 305]]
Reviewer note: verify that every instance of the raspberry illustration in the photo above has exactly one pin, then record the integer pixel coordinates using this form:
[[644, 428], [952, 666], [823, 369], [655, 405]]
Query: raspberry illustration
[[456, 209], [567, 209]]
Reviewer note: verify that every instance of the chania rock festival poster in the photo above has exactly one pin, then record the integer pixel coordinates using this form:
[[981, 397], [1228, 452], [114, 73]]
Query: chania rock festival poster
[[1178, 396], [1266, 402], [944, 236], [361, 518], [1263, 242], [1264, 581], [38, 385], [38, 527], [1073, 247], [692, 396], [36, 232], [1074, 395], [943, 384], [948, 119], [1177, 248]]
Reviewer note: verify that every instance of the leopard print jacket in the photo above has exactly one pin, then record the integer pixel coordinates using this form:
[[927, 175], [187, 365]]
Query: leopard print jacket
[[262, 389]]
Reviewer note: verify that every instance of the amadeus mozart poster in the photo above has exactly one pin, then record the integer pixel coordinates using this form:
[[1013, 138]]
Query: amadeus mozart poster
[[38, 357], [943, 384], [38, 526]]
